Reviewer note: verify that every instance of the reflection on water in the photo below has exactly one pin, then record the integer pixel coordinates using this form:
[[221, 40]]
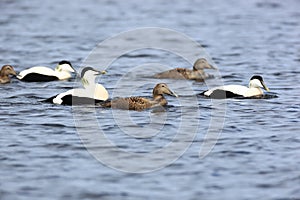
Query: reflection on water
[[257, 153]]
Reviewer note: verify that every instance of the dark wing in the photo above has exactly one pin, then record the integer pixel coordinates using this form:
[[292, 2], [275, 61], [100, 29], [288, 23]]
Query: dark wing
[[128, 103], [222, 94], [35, 77], [74, 100]]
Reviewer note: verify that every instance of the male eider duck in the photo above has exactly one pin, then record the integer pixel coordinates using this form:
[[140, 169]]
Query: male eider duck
[[182, 73], [141, 103], [44, 74], [91, 93], [231, 91], [6, 70]]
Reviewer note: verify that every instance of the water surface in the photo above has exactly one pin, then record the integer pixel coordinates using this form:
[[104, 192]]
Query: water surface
[[257, 155]]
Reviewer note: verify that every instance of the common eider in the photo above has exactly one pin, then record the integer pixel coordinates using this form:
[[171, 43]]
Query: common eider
[[141, 103], [197, 73], [231, 91], [92, 92], [6, 70], [44, 74]]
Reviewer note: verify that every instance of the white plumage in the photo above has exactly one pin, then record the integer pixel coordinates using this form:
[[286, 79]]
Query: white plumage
[[43, 74], [227, 91], [91, 93]]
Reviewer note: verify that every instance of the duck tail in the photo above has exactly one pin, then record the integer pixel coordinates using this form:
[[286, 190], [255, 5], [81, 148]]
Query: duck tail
[[49, 100], [106, 104], [202, 93]]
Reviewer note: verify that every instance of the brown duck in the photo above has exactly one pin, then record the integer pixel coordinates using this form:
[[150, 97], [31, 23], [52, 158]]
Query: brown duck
[[6, 70], [141, 103], [182, 73]]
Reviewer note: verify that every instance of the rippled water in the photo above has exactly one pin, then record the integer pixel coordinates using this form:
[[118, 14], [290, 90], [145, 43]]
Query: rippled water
[[257, 154]]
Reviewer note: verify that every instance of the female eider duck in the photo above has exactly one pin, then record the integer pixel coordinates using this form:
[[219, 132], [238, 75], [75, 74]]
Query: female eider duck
[[197, 73], [91, 93], [6, 70], [141, 103], [231, 91], [44, 74]]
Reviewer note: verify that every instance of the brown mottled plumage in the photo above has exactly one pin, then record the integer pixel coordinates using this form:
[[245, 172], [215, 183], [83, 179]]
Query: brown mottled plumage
[[182, 73], [6, 70], [141, 103]]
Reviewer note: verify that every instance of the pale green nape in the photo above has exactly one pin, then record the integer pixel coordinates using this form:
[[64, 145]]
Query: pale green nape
[[84, 82], [58, 68]]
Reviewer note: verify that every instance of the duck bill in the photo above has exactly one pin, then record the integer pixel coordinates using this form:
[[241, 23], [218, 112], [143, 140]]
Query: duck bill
[[103, 72], [171, 93], [14, 73], [97, 73], [72, 70], [211, 67], [100, 72], [265, 87]]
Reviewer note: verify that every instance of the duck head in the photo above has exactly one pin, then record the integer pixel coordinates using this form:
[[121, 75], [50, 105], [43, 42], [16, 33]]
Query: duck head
[[161, 89], [89, 74], [64, 66], [258, 82], [8, 70], [201, 64]]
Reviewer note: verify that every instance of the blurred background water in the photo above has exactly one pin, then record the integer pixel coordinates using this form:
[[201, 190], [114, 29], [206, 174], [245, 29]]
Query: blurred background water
[[257, 155]]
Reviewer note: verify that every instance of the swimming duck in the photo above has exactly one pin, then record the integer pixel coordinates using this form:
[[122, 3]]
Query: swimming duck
[[44, 74], [6, 70], [141, 103], [182, 73], [91, 93], [230, 91]]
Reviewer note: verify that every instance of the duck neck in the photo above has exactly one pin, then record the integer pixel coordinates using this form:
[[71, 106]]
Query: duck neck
[[2, 74], [4, 78], [158, 97], [197, 74], [253, 90], [88, 82], [258, 89]]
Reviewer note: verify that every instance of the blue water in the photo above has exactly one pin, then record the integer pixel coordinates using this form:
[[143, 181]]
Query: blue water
[[257, 154]]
